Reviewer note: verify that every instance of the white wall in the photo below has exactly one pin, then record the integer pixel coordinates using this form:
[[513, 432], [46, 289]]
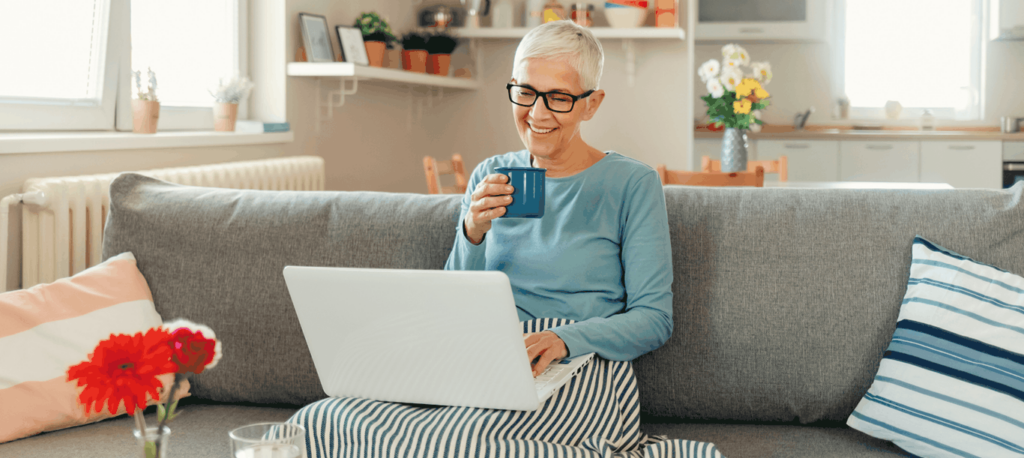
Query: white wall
[[369, 146]]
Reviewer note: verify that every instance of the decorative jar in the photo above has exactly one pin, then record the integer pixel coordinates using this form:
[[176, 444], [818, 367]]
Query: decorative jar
[[734, 150], [224, 116]]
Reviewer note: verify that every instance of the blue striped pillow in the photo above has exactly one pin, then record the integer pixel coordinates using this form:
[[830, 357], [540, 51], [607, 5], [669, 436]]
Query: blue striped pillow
[[951, 382]]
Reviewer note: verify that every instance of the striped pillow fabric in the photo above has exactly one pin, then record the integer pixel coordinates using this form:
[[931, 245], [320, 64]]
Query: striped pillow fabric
[[951, 382], [48, 328]]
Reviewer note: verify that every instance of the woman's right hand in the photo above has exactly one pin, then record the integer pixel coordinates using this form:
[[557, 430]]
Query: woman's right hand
[[489, 199]]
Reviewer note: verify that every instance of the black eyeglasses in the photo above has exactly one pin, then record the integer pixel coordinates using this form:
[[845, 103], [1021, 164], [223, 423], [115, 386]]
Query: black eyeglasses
[[559, 102]]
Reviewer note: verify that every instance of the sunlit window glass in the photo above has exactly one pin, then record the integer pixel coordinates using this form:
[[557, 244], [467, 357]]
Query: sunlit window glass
[[52, 49], [189, 44], [916, 52]]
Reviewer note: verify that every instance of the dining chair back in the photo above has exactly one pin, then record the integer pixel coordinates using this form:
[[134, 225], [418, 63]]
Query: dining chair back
[[434, 169], [754, 178], [779, 166]]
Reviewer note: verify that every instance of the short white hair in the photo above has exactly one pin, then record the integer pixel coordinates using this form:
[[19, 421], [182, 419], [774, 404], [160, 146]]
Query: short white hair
[[567, 41]]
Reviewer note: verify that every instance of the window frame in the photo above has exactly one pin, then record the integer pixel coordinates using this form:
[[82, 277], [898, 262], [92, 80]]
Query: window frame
[[974, 112], [114, 110]]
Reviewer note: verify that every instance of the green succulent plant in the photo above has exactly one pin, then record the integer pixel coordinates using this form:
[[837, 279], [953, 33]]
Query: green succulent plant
[[375, 28], [414, 41], [441, 42]]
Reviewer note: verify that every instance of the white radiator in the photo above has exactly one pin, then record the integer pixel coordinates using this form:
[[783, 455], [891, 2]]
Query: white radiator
[[62, 221]]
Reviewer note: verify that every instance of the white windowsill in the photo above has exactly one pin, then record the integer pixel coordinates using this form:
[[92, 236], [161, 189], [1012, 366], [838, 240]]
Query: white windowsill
[[50, 142]]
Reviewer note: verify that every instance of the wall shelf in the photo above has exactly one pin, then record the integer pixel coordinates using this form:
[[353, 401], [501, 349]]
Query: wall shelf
[[361, 72], [347, 72], [599, 32]]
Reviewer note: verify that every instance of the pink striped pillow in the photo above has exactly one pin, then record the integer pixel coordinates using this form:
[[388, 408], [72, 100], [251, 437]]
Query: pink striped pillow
[[47, 328]]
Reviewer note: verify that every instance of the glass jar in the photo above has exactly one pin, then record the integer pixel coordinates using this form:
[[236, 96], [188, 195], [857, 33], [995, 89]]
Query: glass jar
[[581, 14], [553, 11]]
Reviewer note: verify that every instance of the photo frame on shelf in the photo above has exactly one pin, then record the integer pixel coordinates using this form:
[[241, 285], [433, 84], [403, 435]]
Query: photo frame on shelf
[[352, 48], [316, 36]]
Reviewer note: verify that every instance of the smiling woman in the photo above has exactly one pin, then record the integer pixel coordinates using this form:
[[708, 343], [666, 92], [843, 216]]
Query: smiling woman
[[593, 275]]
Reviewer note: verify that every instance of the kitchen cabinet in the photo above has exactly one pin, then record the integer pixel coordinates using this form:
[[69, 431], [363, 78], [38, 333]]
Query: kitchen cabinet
[[879, 161], [976, 164], [796, 20], [808, 160]]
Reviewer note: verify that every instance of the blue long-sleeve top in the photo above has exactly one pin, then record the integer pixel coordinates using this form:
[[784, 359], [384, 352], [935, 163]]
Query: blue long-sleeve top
[[600, 255]]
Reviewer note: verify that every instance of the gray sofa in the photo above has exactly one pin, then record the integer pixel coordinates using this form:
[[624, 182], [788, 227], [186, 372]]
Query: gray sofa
[[784, 301]]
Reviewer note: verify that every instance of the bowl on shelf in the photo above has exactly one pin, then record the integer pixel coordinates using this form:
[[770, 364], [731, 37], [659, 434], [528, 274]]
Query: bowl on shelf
[[624, 17]]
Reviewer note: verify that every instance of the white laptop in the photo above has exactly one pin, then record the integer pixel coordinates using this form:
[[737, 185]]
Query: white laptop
[[420, 336]]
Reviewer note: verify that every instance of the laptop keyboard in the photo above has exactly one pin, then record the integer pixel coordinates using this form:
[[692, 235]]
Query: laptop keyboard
[[541, 381]]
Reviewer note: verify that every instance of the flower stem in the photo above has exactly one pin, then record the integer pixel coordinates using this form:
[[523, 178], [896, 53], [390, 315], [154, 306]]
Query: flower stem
[[178, 378], [140, 423]]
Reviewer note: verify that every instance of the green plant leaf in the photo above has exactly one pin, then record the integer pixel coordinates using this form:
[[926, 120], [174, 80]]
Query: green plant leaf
[[174, 406], [150, 449], [161, 412]]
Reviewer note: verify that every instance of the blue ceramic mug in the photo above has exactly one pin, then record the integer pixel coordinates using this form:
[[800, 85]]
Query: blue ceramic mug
[[528, 197]]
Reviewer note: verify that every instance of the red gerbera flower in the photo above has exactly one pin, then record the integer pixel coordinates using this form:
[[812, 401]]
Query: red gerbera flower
[[124, 368]]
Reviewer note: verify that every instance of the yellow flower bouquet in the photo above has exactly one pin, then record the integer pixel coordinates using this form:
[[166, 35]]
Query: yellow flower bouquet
[[735, 98]]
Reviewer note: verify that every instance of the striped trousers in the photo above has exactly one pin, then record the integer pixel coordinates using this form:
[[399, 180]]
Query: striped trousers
[[596, 414]]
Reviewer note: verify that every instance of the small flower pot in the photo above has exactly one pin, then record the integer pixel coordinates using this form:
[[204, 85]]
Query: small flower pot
[[438, 64], [415, 60], [375, 52], [145, 115], [224, 116]]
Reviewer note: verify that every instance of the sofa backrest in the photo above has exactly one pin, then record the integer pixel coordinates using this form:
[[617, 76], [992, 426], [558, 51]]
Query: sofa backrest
[[216, 256], [784, 299]]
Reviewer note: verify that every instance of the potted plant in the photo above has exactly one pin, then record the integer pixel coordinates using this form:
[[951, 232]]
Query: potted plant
[[414, 52], [145, 105], [225, 108], [440, 46], [735, 101], [377, 36]]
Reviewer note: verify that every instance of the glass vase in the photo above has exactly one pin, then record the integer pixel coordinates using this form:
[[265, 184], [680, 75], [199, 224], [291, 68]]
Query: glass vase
[[152, 446], [734, 150]]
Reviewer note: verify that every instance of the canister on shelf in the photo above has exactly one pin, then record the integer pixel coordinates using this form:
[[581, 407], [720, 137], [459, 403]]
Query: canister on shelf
[[581, 13], [554, 11], [665, 13], [534, 13], [501, 17]]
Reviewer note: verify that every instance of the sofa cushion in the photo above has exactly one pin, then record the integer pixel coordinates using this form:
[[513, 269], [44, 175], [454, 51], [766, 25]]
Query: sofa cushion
[[785, 299], [779, 441], [201, 431], [952, 379], [216, 256], [48, 328]]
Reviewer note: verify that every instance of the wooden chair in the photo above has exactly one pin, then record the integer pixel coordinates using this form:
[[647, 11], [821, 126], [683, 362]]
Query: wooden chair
[[435, 169], [780, 166], [754, 178]]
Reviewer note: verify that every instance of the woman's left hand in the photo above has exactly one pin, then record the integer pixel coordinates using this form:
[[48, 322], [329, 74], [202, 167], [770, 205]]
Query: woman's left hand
[[547, 345]]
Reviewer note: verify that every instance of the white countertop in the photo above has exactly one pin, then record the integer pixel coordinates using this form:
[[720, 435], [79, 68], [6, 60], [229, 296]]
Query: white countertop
[[854, 185], [873, 135]]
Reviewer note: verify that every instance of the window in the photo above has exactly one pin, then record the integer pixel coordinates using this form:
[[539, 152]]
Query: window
[[58, 68], [924, 54], [75, 71], [190, 45]]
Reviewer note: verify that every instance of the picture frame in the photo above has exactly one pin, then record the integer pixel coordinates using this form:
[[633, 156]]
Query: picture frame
[[352, 47], [316, 36]]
